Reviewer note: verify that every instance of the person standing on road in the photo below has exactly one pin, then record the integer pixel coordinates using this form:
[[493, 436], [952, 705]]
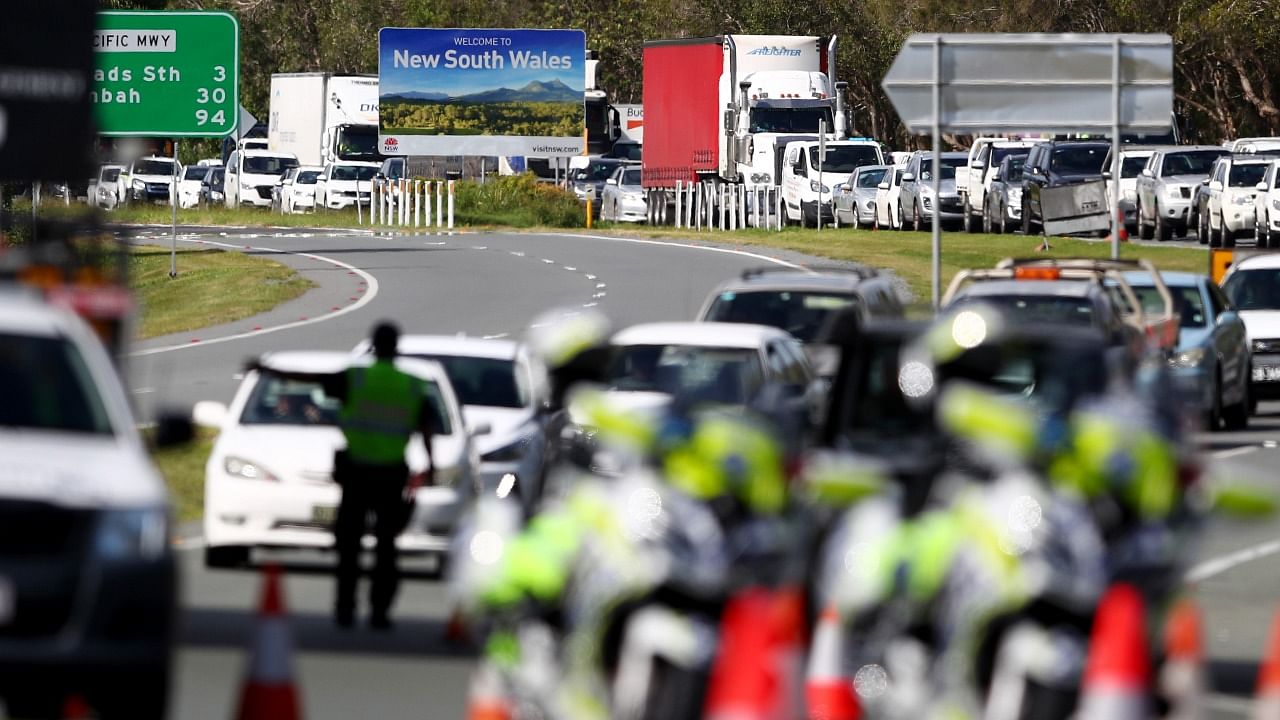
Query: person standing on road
[[381, 409]]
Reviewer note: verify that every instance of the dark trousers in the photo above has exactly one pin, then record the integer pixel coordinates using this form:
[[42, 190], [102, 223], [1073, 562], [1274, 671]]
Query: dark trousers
[[376, 490]]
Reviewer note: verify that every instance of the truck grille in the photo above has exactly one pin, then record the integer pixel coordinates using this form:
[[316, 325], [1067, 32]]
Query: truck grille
[[1186, 192], [158, 188], [264, 191], [41, 555], [1271, 345]]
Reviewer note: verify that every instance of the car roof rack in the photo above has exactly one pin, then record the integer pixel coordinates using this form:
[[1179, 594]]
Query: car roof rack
[[861, 272]]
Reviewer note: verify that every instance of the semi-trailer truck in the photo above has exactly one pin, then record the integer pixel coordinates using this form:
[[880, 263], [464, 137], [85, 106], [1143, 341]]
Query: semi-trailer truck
[[723, 108], [321, 117]]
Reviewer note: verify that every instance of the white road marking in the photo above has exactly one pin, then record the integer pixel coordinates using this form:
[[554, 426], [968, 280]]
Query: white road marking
[[1234, 452], [599, 286], [517, 253], [589, 276], [494, 337], [570, 269], [1219, 565], [549, 262], [743, 253], [143, 390], [435, 243], [479, 247], [370, 281], [590, 304]]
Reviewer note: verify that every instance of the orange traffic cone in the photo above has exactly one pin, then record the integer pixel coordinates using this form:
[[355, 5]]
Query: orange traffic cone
[[269, 692], [1267, 704], [757, 671], [789, 637], [486, 701], [1118, 670], [456, 632], [1182, 677], [828, 693]]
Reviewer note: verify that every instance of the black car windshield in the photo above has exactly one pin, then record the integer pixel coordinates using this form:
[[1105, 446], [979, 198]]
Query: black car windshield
[[263, 165], [948, 168], [631, 177], [1036, 309], [721, 375], [803, 314], [1131, 166], [1254, 289], [596, 172], [358, 141], [195, 173], [789, 120], [362, 173], [876, 409], [307, 177], [1078, 159], [47, 386], [1013, 170], [1190, 163], [999, 154], [217, 176], [153, 167], [871, 178], [844, 158], [1187, 302], [1246, 175], [492, 382], [276, 401]]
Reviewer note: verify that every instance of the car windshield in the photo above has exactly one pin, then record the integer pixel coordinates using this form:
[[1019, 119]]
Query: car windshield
[[999, 154], [395, 170], [1246, 175], [948, 169], [803, 314], [1078, 160], [362, 173], [47, 386], [1013, 171], [111, 175], [153, 167], [275, 401], [1035, 309], [844, 158], [1187, 302], [265, 165], [492, 382], [307, 177], [871, 178], [1190, 163], [631, 177], [596, 172], [217, 176], [1254, 289], [1131, 166], [722, 375], [789, 120], [194, 173], [875, 409]]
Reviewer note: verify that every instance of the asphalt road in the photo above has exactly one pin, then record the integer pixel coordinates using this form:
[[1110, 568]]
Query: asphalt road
[[495, 285]]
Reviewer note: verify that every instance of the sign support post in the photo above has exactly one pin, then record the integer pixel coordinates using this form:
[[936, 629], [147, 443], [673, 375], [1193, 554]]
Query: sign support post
[[822, 156], [173, 198], [935, 224], [1117, 215]]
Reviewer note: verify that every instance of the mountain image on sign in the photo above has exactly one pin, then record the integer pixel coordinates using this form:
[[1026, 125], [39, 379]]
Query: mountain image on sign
[[539, 108]]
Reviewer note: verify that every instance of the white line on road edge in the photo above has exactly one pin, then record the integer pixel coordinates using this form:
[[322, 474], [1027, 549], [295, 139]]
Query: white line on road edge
[[1234, 452], [1219, 565], [743, 253], [370, 281]]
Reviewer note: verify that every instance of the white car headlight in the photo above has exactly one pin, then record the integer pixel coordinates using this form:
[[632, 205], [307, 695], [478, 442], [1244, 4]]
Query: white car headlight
[[238, 467], [1187, 358], [1275, 203], [139, 185], [1241, 200], [816, 186], [131, 534], [1015, 193], [1173, 192]]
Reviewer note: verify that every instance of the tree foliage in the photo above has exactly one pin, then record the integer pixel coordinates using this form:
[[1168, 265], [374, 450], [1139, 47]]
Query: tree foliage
[[1227, 52]]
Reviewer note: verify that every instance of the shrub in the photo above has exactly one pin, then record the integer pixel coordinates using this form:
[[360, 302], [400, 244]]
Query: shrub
[[516, 200]]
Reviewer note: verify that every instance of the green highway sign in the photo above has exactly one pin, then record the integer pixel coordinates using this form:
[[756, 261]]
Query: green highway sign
[[166, 74]]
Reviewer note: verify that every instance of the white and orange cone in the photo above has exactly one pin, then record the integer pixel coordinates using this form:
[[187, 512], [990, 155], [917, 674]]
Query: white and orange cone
[[828, 693], [1182, 678], [1266, 706], [269, 692], [1118, 671], [487, 701]]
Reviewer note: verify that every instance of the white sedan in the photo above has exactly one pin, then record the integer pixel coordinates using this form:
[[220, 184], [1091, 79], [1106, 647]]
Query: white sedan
[[623, 198], [888, 195], [269, 480]]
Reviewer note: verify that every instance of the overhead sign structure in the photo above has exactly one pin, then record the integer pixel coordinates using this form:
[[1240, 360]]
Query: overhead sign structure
[[1032, 83], [166, 74], [481, 91], [46, 130]]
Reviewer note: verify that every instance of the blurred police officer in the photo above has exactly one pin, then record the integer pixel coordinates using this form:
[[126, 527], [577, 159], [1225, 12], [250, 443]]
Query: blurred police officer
[[381, 409]]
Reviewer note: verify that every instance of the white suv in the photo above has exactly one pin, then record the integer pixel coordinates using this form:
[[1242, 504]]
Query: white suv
[[252, 175], [1232, 186]]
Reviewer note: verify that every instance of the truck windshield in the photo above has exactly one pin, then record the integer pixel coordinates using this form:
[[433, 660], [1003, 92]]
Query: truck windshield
[[110, 175], [307, 177], [153, 167], [1013, 172], [194, 173], [1254, 289], [845, 158], [723, 375], [48, 387], [1190, 163], [789, 120], [1246, 175], [998, 154], [1033, 309], [362, 173], [358, 142], [263, 165], [1078, 159], [1131, 166]]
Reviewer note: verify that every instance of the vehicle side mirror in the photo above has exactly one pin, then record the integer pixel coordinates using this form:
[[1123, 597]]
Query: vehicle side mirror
[[1146, 172], [1227, 316], [209, 413], [908, 177], [172, 430], [611, 181], [978, 165], [1215, 186], [1261, 187], [479, 429], [883, 186], [1106, 174]]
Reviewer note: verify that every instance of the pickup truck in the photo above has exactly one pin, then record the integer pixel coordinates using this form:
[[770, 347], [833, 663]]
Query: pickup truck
[[974, 180], [1164, 188]]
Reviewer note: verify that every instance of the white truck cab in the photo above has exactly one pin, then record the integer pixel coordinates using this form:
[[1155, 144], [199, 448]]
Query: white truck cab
[[806, 191]]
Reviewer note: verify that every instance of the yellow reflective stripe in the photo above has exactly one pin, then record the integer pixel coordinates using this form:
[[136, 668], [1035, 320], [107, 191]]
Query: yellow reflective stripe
[[931, 543], [995, 422], [1154, 489]]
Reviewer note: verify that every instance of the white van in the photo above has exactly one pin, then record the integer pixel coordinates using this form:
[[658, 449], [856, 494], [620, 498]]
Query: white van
[[251, 175], [802, 183]]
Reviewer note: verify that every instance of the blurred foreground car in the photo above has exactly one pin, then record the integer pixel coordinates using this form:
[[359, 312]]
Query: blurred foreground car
[[269, 480], [1211, 361], [87, 576], [1253, 287], [501, 389]]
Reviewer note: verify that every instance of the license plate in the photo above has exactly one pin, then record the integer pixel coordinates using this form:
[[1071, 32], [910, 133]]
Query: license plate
[[8, 600], [1266, 374], [324, 514]]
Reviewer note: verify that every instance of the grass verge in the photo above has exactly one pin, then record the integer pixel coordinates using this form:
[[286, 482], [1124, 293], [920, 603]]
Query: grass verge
[[183, 471], [212, 287]]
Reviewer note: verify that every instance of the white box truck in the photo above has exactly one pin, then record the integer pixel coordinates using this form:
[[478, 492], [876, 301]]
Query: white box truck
[[321, 117]]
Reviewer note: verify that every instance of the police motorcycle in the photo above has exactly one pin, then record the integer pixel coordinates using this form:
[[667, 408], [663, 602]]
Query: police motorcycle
[[981, 602]]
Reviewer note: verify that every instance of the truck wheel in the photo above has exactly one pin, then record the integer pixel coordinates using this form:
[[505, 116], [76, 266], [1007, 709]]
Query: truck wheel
[[1144, 231], [1026, 218], [1202, 230], [1228, 237], [902, 221], [1236, 416], [988, 227], [226, 556], [970, 224], [1163, 231], [916, 223]]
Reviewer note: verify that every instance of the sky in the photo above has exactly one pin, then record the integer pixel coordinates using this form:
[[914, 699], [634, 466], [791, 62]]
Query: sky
[[430, 41]]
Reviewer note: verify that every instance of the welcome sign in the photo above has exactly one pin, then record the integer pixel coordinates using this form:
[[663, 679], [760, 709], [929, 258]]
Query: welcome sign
[[481, 91]]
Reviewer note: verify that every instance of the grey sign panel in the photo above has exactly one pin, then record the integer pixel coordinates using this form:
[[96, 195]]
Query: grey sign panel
[[1081, 207], [1033, 83]]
